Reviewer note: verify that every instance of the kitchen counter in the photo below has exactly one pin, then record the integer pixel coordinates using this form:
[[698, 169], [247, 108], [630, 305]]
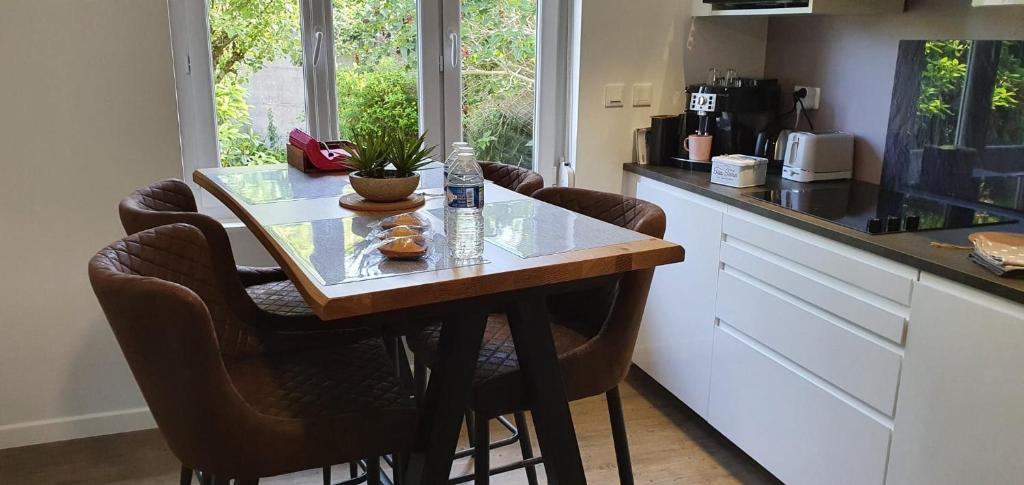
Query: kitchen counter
[[910, 248]]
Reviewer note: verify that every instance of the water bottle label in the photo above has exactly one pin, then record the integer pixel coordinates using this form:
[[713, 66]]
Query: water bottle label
[[465, 197]]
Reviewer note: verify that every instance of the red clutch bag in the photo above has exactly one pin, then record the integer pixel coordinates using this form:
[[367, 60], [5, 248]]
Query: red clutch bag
[[304, 150]]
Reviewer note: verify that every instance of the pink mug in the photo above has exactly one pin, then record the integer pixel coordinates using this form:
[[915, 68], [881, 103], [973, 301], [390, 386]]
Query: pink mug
[[698, 147]]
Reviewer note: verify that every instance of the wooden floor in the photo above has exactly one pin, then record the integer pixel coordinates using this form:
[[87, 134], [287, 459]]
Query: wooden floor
[[670, 444]]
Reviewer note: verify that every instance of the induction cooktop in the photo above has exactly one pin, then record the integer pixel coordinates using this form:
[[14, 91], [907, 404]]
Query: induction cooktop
[[872, 209]]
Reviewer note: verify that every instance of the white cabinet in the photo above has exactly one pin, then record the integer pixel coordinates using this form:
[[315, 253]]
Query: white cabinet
[[829, 364], [788, 421], [807, 354], [674, 345], [960, 415], [839, 353]]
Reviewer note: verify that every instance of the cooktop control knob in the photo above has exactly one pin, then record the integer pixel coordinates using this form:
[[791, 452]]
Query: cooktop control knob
[[893, 224], [875, 226], [912, 223]]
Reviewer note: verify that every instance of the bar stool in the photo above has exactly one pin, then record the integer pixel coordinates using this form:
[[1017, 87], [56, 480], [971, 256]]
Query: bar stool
[[262, 297], [261, 403], [594, 331]]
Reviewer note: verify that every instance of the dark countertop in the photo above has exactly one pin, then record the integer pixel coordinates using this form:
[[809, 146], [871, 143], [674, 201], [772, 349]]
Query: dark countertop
[[910, 248]]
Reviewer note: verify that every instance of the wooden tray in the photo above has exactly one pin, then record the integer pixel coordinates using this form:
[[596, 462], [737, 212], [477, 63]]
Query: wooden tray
[[358, 203]]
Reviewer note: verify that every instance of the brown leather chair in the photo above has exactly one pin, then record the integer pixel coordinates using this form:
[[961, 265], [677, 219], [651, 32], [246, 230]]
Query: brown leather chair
[[260, 403], [595, 331], [264, 297], [518, 179]]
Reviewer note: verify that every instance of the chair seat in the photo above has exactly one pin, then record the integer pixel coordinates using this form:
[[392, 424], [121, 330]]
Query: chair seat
[[280, 298], [496, 390], [319, 400], [322, 383]]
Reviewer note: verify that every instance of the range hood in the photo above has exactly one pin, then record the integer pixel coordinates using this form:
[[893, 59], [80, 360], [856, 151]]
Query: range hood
[[755, 4]]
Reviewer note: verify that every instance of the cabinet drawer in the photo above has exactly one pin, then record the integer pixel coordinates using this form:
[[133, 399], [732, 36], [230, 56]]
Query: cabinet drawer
[[864, 309], [836, 351], [858, 268], [800, 432]]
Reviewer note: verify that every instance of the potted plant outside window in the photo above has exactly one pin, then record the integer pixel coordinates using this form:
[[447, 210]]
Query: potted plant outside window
[[386, 164]]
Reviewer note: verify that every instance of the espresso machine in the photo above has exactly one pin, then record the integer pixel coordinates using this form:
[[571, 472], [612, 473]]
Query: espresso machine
[[735, 111]]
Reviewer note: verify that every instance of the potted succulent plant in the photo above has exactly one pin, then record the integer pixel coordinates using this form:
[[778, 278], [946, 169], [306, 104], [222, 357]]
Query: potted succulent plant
[[386, 164]]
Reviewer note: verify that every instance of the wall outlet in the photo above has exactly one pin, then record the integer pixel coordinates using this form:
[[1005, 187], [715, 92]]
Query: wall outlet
[[813, 98]]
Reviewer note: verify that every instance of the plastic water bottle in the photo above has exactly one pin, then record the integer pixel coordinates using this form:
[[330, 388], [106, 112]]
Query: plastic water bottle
[[464, 211], [456, 149]]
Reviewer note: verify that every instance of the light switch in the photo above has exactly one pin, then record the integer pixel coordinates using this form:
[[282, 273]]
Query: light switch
[[613, 95], [642, 94]]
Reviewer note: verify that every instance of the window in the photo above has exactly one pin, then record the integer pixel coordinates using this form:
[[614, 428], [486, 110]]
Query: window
[[249, 72]]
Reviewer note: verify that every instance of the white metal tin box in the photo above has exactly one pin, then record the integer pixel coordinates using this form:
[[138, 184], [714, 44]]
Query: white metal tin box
[[738, 170]]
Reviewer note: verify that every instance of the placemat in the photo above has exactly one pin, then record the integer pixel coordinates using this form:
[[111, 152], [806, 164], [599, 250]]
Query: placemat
[[344, 250], [530, 228]]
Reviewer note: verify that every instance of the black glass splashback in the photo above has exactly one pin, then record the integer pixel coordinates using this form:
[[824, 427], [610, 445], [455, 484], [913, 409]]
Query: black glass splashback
[[873, 209], [956, 125]]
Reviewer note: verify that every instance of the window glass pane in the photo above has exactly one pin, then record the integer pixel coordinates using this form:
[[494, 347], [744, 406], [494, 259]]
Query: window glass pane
[[376, 65], [258, 79], [498, 75]]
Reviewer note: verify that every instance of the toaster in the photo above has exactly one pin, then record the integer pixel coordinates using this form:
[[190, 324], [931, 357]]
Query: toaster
[[818, 156]]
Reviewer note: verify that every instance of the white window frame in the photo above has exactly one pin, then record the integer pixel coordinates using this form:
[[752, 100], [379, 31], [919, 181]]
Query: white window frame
[[552, 121], [551, 87], [193, 71]]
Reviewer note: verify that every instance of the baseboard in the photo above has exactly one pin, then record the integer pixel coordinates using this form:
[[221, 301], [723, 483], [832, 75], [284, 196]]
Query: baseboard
[[74, 427]]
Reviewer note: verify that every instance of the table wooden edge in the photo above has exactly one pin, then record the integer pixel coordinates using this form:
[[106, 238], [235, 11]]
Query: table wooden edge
[[601, 261], [316, 299]]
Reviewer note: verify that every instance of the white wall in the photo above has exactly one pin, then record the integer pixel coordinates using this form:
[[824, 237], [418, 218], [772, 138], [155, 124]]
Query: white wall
[[87, 114], [647, 41]]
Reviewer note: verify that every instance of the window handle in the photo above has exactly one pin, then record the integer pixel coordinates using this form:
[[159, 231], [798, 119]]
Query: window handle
[[316, 47], [453, 38]]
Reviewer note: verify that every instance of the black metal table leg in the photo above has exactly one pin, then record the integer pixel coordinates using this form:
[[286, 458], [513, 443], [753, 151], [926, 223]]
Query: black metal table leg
[[446, 398], [538, 361]]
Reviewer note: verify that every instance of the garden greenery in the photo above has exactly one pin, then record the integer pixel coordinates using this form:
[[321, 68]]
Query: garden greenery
[[376, 71]]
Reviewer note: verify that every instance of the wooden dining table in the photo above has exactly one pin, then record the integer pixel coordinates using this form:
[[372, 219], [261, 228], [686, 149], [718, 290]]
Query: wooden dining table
[[533, 250]]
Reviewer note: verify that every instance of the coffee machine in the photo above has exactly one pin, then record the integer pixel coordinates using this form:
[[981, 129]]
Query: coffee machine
[[734, 111]]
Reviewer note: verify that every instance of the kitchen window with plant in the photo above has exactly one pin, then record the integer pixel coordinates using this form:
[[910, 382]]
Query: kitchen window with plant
[[247, 73]]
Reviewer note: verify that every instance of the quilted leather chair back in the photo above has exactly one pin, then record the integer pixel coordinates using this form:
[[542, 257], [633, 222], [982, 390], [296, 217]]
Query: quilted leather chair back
[[521, 180], [171, 202], [602, 363], [176, 254], [628, 212], [158, 293]]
